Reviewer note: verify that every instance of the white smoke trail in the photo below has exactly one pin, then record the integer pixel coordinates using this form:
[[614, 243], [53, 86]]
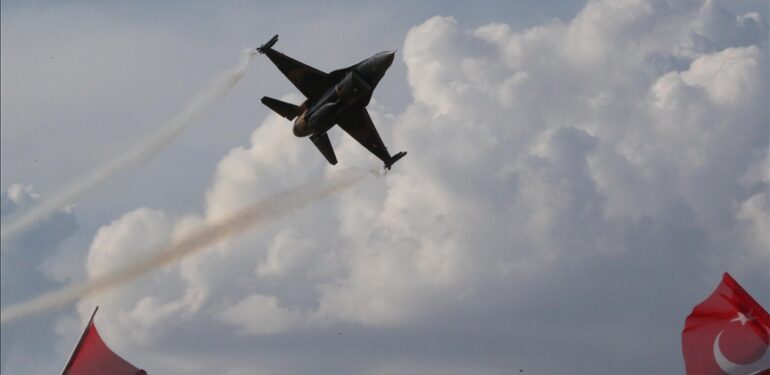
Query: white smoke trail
[[136, 155], [270, 209]]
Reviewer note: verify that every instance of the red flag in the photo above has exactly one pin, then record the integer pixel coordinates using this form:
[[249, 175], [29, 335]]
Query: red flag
[[728, 333], [92, 357]]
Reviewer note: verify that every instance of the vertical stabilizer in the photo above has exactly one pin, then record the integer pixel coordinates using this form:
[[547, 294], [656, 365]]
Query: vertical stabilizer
[[321, 141]]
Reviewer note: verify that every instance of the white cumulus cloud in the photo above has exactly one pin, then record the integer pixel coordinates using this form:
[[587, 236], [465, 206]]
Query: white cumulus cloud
[[566, 186]]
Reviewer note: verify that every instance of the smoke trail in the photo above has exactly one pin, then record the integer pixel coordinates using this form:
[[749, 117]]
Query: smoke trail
[[136, 155], [267, 210]]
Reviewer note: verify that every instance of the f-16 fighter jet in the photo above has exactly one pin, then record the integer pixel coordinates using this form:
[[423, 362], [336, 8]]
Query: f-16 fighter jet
[[336, 98]]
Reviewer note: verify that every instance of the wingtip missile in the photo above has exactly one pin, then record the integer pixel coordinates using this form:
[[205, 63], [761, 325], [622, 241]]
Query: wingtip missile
[[263, 48], [394, 159]]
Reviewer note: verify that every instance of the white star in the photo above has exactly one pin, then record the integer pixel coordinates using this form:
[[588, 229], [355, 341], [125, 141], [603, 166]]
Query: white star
[[744, 318]]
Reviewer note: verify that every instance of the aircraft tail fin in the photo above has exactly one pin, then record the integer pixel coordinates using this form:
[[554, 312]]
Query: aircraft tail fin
[[287, 110], [321, 141]]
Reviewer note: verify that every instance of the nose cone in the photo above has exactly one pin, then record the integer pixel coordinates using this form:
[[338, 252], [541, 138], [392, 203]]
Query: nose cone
[[383, 60], [374, 68], [387, 58]]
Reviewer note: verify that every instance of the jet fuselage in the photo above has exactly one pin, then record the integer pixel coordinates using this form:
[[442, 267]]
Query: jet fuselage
[[338, 98], [355, 88]]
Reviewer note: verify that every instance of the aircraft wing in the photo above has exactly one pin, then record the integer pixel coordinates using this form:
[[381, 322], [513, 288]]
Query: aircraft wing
[[358, 124], [308, 80]]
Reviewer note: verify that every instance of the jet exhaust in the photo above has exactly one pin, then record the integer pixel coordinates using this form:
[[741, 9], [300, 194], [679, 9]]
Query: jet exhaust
[[270, 209], [136, 155]]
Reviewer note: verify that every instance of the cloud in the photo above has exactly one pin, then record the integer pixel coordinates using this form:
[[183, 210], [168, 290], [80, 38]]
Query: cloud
[[139, 153], [263, 212], [24, 273], [571, 190]]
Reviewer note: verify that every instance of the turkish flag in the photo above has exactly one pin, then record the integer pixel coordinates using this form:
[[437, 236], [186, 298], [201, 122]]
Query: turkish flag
[[93, 357], [728, 333]]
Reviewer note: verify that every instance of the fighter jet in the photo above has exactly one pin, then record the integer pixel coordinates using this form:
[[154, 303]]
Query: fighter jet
[[336, 98]]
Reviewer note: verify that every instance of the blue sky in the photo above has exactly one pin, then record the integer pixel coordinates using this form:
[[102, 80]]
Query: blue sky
[[579, 176]]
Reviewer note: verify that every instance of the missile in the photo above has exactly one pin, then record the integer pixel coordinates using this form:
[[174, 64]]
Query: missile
[[263, 48]]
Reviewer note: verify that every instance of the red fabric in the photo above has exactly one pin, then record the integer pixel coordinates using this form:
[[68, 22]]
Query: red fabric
[[728, 333], [93, 357]]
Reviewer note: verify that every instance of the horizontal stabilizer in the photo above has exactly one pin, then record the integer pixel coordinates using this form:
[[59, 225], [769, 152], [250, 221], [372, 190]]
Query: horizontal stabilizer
[[287, 110], [325, 146]]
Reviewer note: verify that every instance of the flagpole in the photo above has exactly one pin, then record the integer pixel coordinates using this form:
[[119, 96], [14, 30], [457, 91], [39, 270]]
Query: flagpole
[[80, 342]]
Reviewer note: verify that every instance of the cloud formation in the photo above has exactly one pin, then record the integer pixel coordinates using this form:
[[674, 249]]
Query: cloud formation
[[571, 190], [138, 154], [24, 271], [113, 271]]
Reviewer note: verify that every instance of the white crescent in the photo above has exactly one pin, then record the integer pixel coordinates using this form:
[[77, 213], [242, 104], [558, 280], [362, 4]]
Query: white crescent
[[731, 368]]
